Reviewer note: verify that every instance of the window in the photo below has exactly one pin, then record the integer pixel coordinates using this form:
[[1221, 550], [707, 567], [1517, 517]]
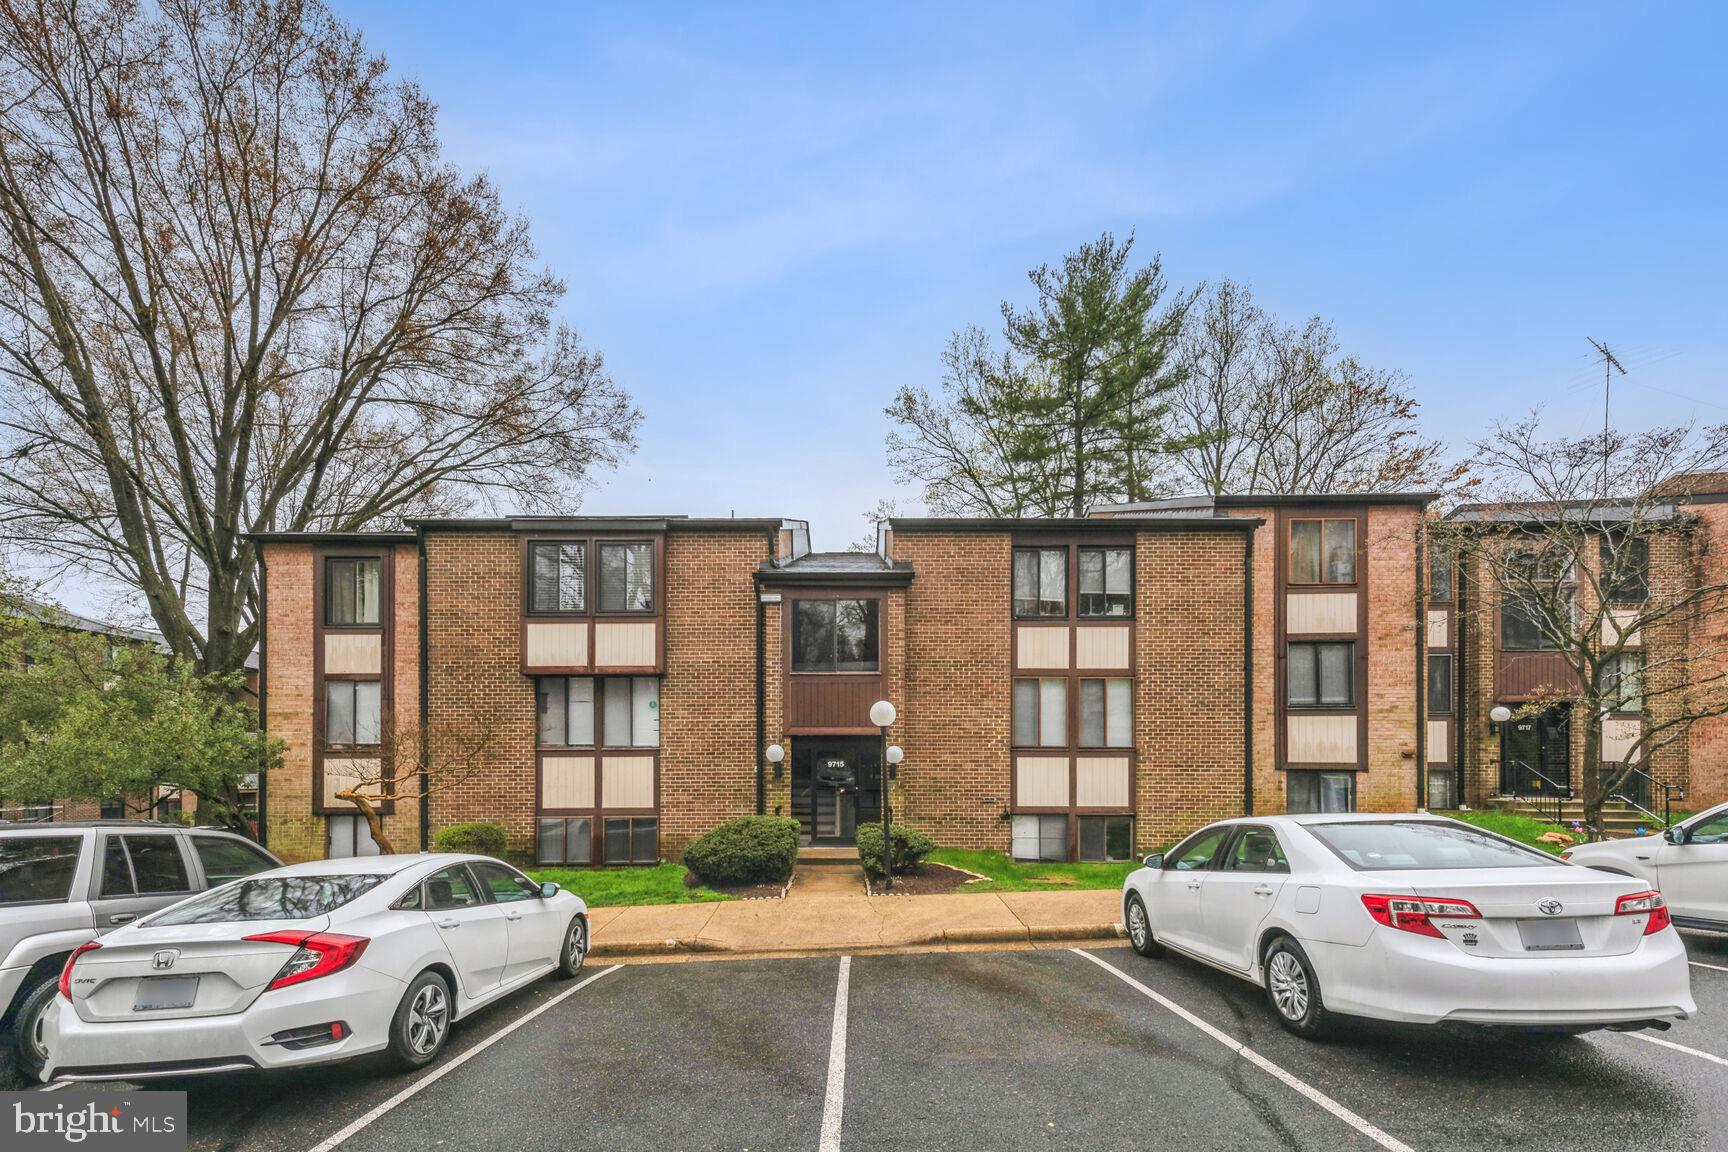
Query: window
[[1626, 565], [1323, 551], [37, 868], [1040, 582], [348, 836], [1439, 683], [1041, 714], [451, 888], [143, 865], [1320, 675], [224, 859], [1534, 586], [632, 840], [1440, 574], [351, 593], [1106, 713], [1623, 682], [1256, 850], [564, 706], [113, 809], [557, 577], [1711, 831], [352, 713], [1520, 623], [1195, 853], [1106, 582], [168, 807], [1039, 838], [631, 712], [269, 898], [504, 884], [1374, 845], [1106, 838], [1320, 791], [626, 577], [836, 635], [566, 841]]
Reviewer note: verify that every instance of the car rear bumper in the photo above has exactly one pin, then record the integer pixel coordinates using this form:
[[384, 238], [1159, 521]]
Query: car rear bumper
[[1416, 979], [362, 999]]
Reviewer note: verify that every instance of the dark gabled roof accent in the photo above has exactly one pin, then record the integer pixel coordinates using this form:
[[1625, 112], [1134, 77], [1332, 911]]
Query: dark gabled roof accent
[[1116, 524], [1592, 512], [1286, 499], [837, 569], [602, 524], [330, 537]]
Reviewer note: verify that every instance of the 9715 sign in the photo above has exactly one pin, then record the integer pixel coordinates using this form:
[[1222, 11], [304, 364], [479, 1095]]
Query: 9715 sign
[[136, 1121]]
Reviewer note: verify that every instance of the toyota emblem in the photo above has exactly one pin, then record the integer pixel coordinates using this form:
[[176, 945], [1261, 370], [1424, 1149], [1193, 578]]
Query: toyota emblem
[[164, 958], [1550, 907]]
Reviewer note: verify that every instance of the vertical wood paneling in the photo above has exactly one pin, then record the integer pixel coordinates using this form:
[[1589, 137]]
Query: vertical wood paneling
[[557, 644], [625, 644], [1101, 648], [626, 781], [831, 700], [566, 782], [1319, 613], [1042, 646], [1322, 739], [1041, 781], [1101, 782], [352, 653]]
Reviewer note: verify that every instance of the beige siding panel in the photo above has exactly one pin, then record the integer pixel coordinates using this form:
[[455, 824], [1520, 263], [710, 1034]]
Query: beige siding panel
[[1438, 751], [557, 644], [1439, 628], [1321, 740], [344, 652], [340, 775], [625, 644], [1041, 781], [1618, 736], [1308, 613], [1617, 621], [567, 782], [1101, 782], [1042, 645], [627, 781], [1102, 648]]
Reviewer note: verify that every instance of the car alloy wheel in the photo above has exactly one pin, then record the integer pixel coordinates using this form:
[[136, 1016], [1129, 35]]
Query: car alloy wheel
[[576, 946], [1289, 985], [1137, 929], [428, 1017]]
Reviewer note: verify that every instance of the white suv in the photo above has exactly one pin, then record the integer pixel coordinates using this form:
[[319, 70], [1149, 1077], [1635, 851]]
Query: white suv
[[1688, 864], [64, 883]]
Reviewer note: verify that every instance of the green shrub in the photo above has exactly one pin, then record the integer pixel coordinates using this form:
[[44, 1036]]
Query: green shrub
[[478, 838], [754, 850], [910, 848]]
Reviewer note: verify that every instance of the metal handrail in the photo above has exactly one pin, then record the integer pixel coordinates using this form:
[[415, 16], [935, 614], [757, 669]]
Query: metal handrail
[[1669, 793], [1559, 795]]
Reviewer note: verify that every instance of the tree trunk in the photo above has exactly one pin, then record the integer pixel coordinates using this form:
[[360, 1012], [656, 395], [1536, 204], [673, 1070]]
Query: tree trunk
[[1592, 777], [364, 802]]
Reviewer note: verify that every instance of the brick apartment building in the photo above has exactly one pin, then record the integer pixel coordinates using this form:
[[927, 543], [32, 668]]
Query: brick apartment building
[[1071, 688]]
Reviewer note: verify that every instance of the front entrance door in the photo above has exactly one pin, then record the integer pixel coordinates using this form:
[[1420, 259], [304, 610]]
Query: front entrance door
[[836, 784], [1536, 747]]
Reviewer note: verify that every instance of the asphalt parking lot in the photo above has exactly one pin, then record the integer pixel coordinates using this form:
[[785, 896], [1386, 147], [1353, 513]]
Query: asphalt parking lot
[[1048, 1048]]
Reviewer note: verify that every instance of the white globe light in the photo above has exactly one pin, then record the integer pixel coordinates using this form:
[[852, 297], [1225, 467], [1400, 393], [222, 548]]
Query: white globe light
[[1500, 714], [882, 714], [775, 753], [895, 755]]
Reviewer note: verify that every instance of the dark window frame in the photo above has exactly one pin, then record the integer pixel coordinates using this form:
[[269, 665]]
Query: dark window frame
[[1319, 704], [351, 679], [1038, 597], [655, 592], [565, 860], [1442, 556], [1614, 681], [531, 570], [1080, 594], [1291, 775], [606, 820], [1080, 713], [1106, 819], [1634, 587], [1430, 681], [873, 616], [1069, 723], [329, 583], [1356, 529]]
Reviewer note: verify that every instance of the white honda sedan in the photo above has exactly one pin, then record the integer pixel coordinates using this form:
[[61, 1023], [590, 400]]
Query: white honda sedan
[[1411, 918], [307, 964], [1688, 864]]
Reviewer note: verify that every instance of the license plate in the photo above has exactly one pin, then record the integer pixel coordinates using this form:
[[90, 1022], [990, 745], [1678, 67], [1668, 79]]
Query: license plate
[[1549, 936], [156, 993]]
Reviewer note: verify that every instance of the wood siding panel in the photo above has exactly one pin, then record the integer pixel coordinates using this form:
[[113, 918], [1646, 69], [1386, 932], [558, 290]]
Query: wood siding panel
[[1102, 649], [625, 644], [1618, 736], [1319, 613], [1439, 747], [1101, 782], [1041, 781], [1617, 621], [627, 781], [1042, 647], [1439, 628], [830, 701], [346, 653], [566, 782], [1523, 675], [561, 644], [1321, 739], [341, 774]]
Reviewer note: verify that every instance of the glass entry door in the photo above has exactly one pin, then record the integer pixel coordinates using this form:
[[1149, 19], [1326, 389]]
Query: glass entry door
[[836, 784], [1537, 760]]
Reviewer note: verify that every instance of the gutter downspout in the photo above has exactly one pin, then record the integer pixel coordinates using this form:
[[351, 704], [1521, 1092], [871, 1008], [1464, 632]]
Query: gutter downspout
[[761, 685], [1421, 672], [263, 699], [1248, 671], [425, 692]]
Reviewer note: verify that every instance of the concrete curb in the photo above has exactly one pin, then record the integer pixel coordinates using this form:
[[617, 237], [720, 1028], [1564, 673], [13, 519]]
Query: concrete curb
[[1022, 935]]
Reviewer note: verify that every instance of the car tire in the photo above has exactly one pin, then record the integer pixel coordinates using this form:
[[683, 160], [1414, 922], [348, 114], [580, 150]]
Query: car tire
[[573, 953], [27, 1051], [422, 1022], [1293, 990], [1139, 927]]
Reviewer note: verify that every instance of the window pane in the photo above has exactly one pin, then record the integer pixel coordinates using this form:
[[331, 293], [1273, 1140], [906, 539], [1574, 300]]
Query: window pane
[[1340, 551], [550, 848], [1106, 582], [618, 841], [1092, 713], [542, 577], [351, 589], [1439, 684], [580, 722], [645, 712], [551, 707], [559, 577], [1626, 570], [1439, 573], [226, 860], [1118, 838], [1025, 713], [1303, 792], [1335, 790], [1053, 713], [626, 577], [615, 728], [451, 888], [338, 712], [368, 713], [812, 635], [855, 635], [1119, 730], [1052, 837], [1301, 675], [644, 841], [504, 885], [157, 864], [1091, 572], [1520, 626], [1305, 552], [1023, 843], [579, 841], [1091, 838], [1053, 582], [1336, 673], [1025, 582], [116, 873]]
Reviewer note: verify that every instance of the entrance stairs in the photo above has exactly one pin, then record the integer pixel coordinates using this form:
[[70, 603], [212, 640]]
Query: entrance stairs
[[1619, 819]]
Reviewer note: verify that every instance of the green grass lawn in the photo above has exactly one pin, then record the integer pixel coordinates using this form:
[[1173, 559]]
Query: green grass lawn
[[607, 887], [1512, 825], [1014, 876]]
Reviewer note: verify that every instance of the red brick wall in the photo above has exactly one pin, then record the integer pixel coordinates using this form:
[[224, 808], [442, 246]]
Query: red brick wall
[[1389, 785], [1707, 745], [294, 832]]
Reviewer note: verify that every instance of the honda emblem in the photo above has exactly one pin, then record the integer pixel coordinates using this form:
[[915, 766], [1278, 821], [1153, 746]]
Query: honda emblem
[[164, 958]]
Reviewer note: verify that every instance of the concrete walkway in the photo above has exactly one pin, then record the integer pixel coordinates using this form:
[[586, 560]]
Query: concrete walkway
[[816, 924]]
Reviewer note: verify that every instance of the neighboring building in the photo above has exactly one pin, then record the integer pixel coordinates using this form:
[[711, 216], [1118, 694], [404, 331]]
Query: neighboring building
[[1070, 688]]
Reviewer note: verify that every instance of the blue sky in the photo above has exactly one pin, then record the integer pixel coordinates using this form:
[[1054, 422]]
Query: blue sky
[[771, 217]]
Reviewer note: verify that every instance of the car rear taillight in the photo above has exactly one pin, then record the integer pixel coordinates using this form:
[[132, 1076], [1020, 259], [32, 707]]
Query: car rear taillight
[[317, 954], [66, 972], [1411, 913], [1645, 904]]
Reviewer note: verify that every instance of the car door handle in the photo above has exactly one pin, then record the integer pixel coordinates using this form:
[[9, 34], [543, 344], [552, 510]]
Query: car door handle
[[122, 917], [1262, 891], [512, 915], [1193, 885], [449, 923], [1640, 857]]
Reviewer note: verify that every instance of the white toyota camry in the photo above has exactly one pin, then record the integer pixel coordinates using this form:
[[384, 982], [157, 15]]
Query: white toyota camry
[[1411, 918], [307, 964]]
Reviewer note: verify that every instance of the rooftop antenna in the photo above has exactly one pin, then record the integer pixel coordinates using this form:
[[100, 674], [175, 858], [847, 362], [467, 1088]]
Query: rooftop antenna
[[1610, 365]]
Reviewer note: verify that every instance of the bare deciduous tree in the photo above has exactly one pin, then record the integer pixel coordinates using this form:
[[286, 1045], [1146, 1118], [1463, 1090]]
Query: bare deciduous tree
[[241, 290], [417, 763]]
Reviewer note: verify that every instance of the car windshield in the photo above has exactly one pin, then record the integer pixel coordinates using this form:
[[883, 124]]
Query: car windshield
[[35, 869], [1374, 846], [268, 898]]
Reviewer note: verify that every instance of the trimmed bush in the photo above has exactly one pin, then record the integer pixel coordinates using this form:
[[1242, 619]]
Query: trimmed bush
[[910, 848], [479, 838], [754, 850]]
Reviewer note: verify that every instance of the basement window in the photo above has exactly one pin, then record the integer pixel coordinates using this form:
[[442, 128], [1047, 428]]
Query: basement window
[[565, 841], [1106, 837], [632, 840], [1040, 838]]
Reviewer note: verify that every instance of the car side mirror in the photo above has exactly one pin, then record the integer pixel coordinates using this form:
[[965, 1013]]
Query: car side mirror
[[548, 890], [1156, 860], [1676, 835]]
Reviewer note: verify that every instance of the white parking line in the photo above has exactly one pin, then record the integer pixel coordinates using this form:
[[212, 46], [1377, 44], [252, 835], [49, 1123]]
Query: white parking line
[[1710, 1056], [56, 1086], [445, 1069], [1385, 1140], [834, 1103], [1712, 967]]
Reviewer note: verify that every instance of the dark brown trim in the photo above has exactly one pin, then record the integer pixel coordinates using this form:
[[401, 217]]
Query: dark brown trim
[[1118, 525], [385, 631], [1283, 517]]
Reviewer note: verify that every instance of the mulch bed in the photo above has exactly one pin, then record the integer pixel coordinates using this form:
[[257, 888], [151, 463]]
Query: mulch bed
[[742, 891], [928, 880]]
